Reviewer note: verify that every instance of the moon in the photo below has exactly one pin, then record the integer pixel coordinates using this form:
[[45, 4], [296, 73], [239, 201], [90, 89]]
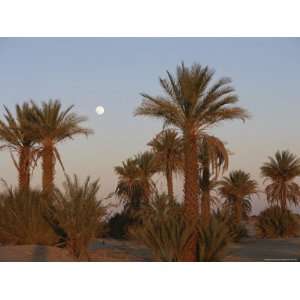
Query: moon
[[100, 110]]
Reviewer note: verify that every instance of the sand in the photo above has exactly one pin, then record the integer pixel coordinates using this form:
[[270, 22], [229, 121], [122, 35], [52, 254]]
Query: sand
[[108, 250], [252, 249]]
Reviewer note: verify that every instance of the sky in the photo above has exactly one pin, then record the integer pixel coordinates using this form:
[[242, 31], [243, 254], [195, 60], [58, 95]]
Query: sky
[[112, 72]]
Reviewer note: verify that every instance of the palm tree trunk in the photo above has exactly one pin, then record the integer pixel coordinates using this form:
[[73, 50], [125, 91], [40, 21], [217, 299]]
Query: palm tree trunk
[[24, 168], [191, 204], [169, 177], [48, 166], [238, 212], [205, 207], [283, 200]]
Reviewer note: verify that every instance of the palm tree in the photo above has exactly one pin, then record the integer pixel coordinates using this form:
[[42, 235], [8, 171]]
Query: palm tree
[[192, 104], [237, 189], [51, 126], [128, 187], [213, 158], [135, 184], [167, 147], [16, 135], [281, 172]]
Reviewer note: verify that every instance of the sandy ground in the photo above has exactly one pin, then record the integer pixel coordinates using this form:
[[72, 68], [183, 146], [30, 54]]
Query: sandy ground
[[99, 251], [105, 250], [31, 253]]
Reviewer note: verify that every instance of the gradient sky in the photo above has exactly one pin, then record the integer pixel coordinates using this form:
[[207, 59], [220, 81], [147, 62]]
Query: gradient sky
[[113, 71]]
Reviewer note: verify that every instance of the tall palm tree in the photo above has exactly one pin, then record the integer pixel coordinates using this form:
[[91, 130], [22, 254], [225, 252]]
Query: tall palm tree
[[213, 158], [17, 137], [237, 189], [135, 184], [51, 126], [281, 173], [193, 104], [167, 147]]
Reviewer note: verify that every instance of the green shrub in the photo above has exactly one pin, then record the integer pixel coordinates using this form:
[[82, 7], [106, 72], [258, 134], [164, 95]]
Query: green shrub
[[79, 214], [23, 219], [118, 225], [166, 237], [275, 222], [164, 230], [213, 239]]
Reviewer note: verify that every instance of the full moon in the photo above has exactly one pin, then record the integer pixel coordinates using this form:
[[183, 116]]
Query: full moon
[[100, 110]]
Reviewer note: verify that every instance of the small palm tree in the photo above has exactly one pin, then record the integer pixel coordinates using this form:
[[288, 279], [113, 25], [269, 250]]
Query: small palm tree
[[79, 212], [213, 158], [135, 184], [164, 230], [51, 126], [167, 147], [280, 172], [214, 238], [193, 104], [17, 137], [237, 189], [128, 187]]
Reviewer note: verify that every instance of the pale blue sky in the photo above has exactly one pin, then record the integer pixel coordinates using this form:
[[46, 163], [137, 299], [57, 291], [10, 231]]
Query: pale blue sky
[[113, 71]]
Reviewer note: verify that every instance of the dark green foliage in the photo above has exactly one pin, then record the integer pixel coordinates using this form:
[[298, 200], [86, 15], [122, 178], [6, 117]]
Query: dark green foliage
[[118, 225], [23, 219], [275, 222], [213, 239], [78, 213], [236, 231]]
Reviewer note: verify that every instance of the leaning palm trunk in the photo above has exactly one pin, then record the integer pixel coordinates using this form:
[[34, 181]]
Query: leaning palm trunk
[[24, 168], [169, 177], [191, 205], [48, 166]]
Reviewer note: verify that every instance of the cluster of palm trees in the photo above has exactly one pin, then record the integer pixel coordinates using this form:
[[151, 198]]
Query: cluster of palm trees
[[33, 133], [191, 104]]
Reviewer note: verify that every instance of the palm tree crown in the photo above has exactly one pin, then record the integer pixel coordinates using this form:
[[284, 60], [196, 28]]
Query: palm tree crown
[[237, 190], [281, 172]]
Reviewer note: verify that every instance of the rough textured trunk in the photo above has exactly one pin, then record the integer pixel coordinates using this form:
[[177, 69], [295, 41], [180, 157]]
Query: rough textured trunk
[[205, 207], [24, 168], [191, 204], [169, 177], [48, 166]]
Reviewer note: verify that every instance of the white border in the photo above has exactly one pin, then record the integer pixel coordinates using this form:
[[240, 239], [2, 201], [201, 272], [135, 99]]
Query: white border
[[149, 18], [149, 281]]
